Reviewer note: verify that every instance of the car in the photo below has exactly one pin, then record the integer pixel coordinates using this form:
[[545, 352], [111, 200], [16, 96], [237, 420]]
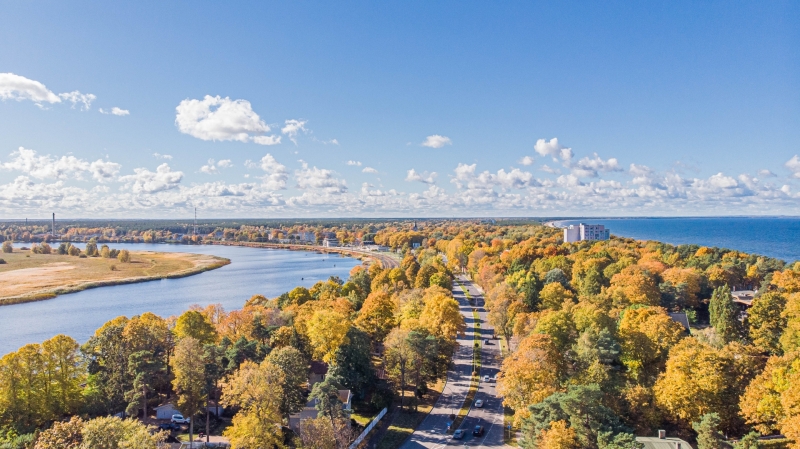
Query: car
[[478, 431], [458, 434], [479, 403], [179, 419], [486, 342], [486, 378], [168, 426]]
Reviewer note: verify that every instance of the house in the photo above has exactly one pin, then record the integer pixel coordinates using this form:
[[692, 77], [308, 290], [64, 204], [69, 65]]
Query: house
[[744, 296], [662, 442], [317, 373], [165, 411], [330, 242], [582, 232], [310, 410], [680, 318]]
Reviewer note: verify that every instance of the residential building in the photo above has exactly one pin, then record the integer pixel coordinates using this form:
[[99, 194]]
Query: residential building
[[310, 410], [573, 233], [662, 442], [330, 242]]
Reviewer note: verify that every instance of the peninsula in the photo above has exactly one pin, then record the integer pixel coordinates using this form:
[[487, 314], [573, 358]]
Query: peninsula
[[26, 276]]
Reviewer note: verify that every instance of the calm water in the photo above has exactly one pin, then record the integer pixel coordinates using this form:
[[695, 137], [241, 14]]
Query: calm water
[[773, 237], [252, 271]]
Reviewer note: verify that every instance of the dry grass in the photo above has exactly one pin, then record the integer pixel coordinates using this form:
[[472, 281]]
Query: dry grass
[[31, 277]]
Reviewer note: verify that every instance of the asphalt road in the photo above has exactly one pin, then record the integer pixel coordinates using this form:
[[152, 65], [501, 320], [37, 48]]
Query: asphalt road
[[432, 433]]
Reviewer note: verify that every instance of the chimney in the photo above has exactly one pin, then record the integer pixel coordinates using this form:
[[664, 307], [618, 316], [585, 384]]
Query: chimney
[[662, 434]]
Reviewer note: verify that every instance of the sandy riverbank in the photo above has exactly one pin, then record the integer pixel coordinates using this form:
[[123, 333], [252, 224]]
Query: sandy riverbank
[[29, 277]]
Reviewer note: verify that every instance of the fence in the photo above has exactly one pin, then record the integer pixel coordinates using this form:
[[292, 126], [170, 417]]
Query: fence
[[371, 425]]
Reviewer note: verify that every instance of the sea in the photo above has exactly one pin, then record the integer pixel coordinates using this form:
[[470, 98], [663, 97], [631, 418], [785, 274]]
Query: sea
[[777, 237]]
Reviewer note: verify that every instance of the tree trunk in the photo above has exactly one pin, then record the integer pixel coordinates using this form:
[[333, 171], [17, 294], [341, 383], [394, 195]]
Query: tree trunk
[[208, 414], [144, 402], [402, 385], [191, 432]]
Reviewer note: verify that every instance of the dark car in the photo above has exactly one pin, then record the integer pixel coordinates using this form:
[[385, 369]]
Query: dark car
[[168, 426], [478, 431]]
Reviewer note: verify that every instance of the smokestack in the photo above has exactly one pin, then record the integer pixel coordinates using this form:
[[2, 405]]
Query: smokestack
[[54, 225]]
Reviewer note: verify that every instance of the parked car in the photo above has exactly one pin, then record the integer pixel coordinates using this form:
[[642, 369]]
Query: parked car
[[486, 342], [478, 431], [479, 403], [168, 426], [458, 434], [486, 378], [179, 419]]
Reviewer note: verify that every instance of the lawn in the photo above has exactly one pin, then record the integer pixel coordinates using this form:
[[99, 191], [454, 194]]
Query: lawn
[[405, 423], [29, 277]]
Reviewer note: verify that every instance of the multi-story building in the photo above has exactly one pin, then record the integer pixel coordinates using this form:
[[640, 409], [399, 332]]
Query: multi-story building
[[574, 233]]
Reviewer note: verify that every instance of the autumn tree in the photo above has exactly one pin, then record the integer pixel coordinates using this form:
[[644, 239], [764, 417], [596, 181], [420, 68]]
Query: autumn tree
[[193, 324], [767, 322], [634, 285], [294, 368], [533, 372], [62, 435], [114, 433], [553, 296], [399, 355], [256, 390], [188, 367], [327, 331], [645, 335], [376, 317], [790, 339], [441, 315]]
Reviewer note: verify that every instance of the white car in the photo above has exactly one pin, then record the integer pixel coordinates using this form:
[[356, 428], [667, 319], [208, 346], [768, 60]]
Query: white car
[[179, 419], [479, 403], [486, 378]]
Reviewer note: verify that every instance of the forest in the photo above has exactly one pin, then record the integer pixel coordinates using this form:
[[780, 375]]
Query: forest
[[399, 322], [595, 349]]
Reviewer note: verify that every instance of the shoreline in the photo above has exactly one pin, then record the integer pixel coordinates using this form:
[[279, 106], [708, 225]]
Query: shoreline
[[384, 259], [43, 295]]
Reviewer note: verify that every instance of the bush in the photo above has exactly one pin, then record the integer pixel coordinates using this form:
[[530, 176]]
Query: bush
[[82, 256], [124, 256], [2, 261], [7, 248]]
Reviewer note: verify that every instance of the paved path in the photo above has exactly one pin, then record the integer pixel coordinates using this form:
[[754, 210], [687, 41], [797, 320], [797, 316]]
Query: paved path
[[432, 433]]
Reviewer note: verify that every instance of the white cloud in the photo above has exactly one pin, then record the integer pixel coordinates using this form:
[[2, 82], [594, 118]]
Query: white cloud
[[552, 148], [526, 160], [217, 118], [66, 167], [104, 171], [210, 168], [145, 181], [16, 87], [436, 141], [766, 173], [225, 163], [356, 163], [267, 140], [162, 156], [369, 170], [115, 111], [793, 164], [76, 97], [424, 177], [467, 178], [547, 169], [293, 127], [319, 178], [276, 174]]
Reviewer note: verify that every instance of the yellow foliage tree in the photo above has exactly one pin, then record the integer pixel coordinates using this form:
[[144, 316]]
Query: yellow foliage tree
[[376, 316], [256, 391], [327, 330], [441, 315], [633, 285], [532, 373], [646, 334], [553, 296], [558, 436]]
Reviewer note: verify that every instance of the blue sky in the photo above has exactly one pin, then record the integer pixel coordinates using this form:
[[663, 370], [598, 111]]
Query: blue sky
[[658, 108]]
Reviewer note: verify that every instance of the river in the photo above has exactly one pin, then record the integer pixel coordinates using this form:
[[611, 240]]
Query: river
[[252, 271]]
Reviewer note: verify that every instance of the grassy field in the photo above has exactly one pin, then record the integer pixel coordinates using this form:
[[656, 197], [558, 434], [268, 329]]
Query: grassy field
[[32, 277]]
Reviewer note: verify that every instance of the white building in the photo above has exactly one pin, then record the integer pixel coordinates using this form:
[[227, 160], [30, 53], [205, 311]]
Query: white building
[[330, 242], [582, 231]]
